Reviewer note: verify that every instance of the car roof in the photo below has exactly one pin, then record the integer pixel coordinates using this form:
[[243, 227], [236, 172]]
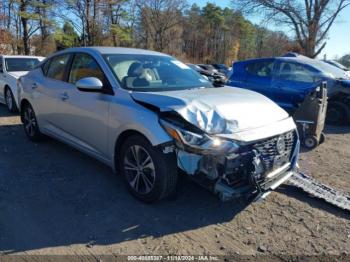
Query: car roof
[[299, 59], [22, 56], [111, 50]]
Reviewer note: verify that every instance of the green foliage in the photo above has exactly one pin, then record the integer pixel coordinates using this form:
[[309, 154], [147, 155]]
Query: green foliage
[[29, 16], [123, 34], [66, 37], [345, 60], [222, 35]]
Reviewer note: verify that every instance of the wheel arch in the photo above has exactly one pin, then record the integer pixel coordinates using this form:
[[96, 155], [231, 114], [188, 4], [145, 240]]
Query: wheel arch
[[119, 142], [6, 87], [339, 97], [22, 104]]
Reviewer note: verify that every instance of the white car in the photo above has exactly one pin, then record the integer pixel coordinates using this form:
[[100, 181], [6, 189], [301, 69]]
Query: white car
[[11, 68]]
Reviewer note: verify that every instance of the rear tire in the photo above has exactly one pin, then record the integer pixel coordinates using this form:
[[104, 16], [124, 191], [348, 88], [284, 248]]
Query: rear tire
[[30, 124], [337, 113], [10, 100], [149, 174]]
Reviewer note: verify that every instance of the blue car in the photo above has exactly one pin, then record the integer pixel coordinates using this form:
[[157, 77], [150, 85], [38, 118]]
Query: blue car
[[288, 80]]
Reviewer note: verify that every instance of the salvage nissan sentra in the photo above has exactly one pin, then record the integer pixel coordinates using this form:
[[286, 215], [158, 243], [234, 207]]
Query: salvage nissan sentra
[[147, 115]]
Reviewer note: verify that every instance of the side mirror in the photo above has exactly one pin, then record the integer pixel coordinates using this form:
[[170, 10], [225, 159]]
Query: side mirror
[[89, 84]]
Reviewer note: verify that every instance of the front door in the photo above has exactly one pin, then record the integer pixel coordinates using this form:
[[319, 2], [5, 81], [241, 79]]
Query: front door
[[293, 82], [84, 115]]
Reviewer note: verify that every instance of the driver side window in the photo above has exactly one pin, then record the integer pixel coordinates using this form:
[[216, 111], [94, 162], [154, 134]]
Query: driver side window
[[85, 66], [297, 72]]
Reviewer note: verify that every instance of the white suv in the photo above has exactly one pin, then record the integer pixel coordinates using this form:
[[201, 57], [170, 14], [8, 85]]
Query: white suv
[[11, 68]]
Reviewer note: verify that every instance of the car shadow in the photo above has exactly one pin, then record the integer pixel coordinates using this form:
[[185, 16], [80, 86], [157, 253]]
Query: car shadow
[[5, 113], [52, 195]]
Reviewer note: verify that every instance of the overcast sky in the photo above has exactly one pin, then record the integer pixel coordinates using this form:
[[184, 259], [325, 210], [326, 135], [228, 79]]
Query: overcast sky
[[338, 43]]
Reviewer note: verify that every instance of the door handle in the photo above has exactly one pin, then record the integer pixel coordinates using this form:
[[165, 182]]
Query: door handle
[[64, 96], [34, 86]]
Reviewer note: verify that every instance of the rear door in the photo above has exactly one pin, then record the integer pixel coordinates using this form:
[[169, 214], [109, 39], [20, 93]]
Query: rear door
[[293, 82], [260, 77], [48, 85]]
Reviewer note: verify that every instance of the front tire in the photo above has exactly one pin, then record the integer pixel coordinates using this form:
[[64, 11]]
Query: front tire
[[10, 100], [150, 175], [30, 124]]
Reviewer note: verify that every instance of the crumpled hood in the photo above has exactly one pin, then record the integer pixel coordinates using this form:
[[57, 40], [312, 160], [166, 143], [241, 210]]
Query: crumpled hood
[[18, 74], [223, 110]]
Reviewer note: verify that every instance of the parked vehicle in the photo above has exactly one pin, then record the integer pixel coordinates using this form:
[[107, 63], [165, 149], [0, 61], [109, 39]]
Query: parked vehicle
[[145, 114], [11, 68], [215, 78], [339, 65], [221, 68], [288, 80], [209, 68]]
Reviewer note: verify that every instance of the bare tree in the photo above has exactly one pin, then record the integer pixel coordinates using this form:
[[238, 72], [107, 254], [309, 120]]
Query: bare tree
[[309, 19], [158, 19]]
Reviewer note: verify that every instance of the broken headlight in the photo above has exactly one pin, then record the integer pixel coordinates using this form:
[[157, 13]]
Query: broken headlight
[[196, 141]]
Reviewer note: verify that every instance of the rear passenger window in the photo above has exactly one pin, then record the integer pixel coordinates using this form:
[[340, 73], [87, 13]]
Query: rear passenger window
[[262, 69], [57, 67]]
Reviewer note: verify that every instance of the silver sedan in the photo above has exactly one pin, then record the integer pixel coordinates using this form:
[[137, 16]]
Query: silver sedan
[[147, 115]]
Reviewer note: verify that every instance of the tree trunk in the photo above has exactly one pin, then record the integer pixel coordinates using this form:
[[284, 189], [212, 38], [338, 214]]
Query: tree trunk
[[113, 21], [88, 26], [24, 21]]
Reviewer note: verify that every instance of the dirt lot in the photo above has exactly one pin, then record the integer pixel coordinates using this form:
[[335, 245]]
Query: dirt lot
[[55, 200]]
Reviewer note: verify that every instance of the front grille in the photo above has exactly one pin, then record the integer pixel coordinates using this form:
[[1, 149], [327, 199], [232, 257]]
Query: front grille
[[272, 156]]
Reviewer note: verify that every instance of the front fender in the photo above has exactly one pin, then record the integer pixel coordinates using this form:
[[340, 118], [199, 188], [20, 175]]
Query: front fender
[[131, 116]]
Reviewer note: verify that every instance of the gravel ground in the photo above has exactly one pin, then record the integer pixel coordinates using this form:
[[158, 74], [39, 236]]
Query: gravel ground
[[55, 200]]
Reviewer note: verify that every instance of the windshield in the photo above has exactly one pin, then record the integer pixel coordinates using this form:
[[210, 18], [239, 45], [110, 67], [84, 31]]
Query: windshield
[[335, 63], [20, 64], [329, 70], [154, 73], [195, 67]]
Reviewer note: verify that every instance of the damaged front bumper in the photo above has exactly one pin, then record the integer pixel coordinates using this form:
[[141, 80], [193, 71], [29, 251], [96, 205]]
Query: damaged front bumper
[[249, 170]]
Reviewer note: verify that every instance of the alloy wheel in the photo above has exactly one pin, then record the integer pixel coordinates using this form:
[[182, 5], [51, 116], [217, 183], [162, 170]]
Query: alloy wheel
[[139, 169], [9, 100], [29, 121]]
